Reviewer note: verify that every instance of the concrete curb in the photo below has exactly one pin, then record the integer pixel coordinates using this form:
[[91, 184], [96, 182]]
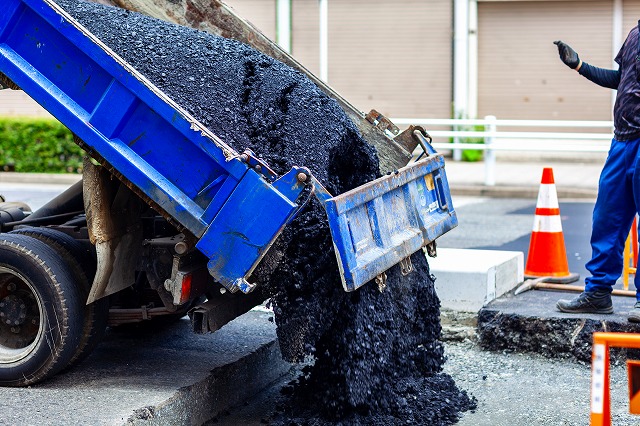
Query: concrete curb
[[40, 178], [501, 191], [530, 322], [156, 376], [498, 191], [224, 388]]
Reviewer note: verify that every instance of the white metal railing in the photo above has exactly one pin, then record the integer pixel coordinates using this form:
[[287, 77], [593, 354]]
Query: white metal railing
[[499, 140]]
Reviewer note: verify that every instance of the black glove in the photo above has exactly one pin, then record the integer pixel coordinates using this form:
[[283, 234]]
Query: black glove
[[567, 55]]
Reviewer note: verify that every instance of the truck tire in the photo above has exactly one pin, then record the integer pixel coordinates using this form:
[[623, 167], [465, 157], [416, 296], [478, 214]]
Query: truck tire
[[82, 264], [40, 311]]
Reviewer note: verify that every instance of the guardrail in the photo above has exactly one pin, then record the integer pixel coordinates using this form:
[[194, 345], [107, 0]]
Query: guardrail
[[499, 140]]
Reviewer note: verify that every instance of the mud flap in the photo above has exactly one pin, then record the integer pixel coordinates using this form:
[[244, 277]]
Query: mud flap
[[382, 223], [113, 220]]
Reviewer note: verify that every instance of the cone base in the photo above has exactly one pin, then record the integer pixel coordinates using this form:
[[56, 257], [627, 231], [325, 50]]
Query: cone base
[[572, 277]]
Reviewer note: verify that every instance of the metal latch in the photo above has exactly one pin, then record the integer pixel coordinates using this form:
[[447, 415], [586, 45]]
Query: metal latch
[[424, 140], [382, 122], [381, 281], [406, 267]]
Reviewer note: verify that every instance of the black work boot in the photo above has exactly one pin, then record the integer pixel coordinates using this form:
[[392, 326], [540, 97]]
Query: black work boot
[[593, 302], [634, 314]]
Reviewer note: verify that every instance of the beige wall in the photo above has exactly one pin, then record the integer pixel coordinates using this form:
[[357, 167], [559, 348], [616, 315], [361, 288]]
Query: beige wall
[[396, 58], [631, 16], [520, 74], [16, 103], [261, 13]]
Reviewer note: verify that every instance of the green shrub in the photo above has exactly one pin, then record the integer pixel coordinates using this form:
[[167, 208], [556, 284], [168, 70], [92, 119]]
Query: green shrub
[[38, 145], [471, 154]]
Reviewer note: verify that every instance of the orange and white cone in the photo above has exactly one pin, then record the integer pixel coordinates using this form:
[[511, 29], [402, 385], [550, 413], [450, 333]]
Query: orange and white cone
[[547, 255]]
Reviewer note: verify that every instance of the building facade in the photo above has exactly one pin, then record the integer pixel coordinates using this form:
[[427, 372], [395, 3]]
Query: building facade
[[445, 58]]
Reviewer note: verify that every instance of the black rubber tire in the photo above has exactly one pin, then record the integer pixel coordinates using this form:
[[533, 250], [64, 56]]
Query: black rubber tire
[[82, 263], [37, 287]]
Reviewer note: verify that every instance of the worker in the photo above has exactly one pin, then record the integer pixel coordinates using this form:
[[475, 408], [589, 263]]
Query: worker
[[618, 198]]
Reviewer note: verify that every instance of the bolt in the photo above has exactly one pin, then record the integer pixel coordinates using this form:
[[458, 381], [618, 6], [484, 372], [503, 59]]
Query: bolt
[[8, 322], [14, 330], [1, 304], [223, 290], [258, 167], [34, 322], [181, 247], [11, 287], [302, 177], [16, 322], [22, 306], [244, 157], [1, 314]]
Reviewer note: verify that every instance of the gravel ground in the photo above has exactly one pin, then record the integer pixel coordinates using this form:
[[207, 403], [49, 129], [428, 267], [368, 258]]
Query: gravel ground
[[512, 389], [515, 389]]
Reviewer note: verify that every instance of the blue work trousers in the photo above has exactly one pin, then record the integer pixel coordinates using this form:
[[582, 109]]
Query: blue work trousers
[[617, 203]]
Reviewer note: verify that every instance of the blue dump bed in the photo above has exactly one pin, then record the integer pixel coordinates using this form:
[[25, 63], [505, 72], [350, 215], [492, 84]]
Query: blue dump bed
[[232, 203]]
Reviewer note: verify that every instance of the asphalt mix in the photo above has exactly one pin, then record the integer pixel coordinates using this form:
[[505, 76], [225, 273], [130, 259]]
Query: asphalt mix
[[377, 354]]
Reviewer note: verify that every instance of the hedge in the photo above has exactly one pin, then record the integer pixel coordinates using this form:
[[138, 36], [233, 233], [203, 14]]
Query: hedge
[[38, 145]]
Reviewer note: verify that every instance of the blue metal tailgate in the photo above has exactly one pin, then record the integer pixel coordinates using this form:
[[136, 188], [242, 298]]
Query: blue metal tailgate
[[383, 222]]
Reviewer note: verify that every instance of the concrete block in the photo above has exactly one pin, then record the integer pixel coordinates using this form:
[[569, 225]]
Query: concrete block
[[468, 279]]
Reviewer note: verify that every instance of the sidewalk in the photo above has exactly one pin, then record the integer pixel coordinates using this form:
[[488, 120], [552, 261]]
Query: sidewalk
[[43, 178], [516, 179]]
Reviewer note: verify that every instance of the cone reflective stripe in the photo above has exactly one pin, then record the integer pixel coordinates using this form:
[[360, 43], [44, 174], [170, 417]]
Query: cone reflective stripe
[[547, 255]]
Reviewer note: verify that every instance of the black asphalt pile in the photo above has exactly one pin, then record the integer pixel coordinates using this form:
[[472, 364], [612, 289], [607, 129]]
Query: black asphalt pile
[[380, 362], [377, 354]]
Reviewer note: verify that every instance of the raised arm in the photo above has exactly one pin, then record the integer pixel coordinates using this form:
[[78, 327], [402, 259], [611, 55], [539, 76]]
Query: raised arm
[[601, 76]]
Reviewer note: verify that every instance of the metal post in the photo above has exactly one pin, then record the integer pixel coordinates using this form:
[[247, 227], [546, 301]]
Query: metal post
[[324, 40], [489, 154], [472, 106], [283, 24], [460, 65], [616, 39]]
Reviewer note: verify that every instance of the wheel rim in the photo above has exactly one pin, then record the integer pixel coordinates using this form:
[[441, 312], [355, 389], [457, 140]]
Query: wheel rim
[[21, 319]]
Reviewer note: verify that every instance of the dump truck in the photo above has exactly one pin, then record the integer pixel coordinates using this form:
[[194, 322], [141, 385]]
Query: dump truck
[[168, 219]]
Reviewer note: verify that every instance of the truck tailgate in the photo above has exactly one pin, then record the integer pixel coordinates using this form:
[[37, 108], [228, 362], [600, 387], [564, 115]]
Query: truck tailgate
[[383, 222]]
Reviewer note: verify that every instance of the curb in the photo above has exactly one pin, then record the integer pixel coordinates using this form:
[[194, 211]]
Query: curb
[[226, 387], [503, 191], [530, 323], [40, 178], [157, 376], [498, 191]]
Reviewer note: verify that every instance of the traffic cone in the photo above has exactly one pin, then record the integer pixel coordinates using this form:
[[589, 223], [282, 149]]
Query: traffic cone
[[547, 255]]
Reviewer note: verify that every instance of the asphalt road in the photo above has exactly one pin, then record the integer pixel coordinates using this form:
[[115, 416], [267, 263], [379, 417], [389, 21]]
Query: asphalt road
[[512, 389], [35, 195], [505, 224]]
